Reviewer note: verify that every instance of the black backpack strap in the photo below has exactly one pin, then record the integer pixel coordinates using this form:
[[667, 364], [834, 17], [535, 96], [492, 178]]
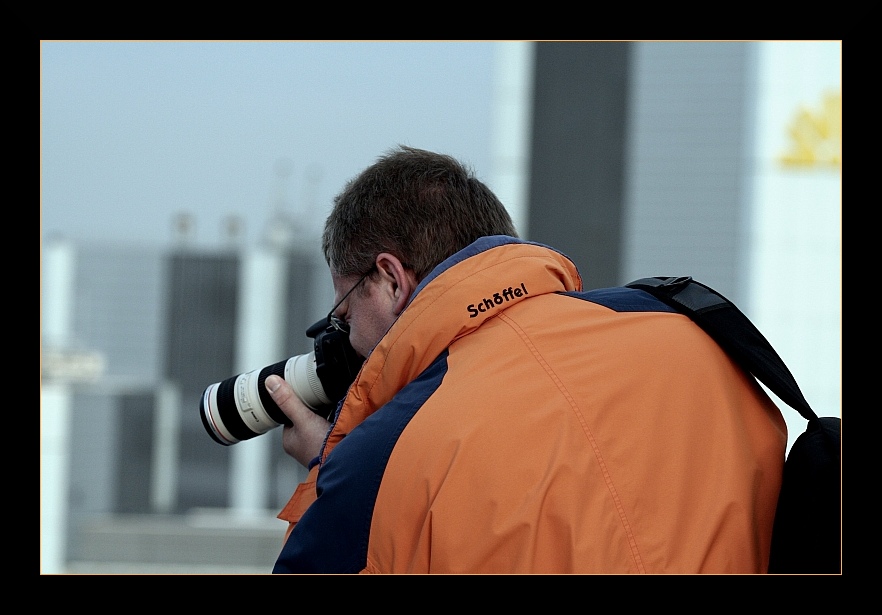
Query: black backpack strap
[[732, 330]]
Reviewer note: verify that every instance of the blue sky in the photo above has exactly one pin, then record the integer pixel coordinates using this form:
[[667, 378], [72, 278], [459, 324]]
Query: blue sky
[[134, 133]]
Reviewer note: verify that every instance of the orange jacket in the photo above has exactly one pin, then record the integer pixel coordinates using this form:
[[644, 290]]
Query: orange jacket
[[510, 423]]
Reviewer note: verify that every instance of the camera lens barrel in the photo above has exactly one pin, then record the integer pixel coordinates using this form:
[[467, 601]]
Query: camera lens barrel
[[240, 408]]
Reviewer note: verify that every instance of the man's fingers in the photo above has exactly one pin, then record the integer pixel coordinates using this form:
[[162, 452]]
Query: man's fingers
[[273, 383], [303, 438], [280, 391]]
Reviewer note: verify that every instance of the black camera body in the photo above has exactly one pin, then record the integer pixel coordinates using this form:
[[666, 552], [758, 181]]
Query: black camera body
[[240, 408], [336, 362]]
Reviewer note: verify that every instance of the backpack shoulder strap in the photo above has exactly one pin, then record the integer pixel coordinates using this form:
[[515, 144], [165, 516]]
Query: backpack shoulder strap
[[807, 533], [732, 330]]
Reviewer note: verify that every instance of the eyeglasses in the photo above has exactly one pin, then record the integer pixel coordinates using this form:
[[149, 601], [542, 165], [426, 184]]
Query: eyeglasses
[[342, 325]]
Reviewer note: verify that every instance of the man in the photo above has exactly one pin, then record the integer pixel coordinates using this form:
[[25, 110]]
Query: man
[[505, 421]]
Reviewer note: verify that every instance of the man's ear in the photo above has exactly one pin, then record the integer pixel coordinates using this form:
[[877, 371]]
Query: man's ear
[[399, 281]]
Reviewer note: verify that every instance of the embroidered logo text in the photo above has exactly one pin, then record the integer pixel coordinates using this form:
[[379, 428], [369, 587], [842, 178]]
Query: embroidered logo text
[[486, 304]]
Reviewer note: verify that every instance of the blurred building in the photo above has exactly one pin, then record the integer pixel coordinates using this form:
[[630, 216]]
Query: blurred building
[[130, 350], [717, 160]]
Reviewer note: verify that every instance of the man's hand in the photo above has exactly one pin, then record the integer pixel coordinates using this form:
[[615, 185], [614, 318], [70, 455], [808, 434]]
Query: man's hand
[[304, 437]]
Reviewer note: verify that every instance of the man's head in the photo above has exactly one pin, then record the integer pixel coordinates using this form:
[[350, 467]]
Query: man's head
[[396, 221]]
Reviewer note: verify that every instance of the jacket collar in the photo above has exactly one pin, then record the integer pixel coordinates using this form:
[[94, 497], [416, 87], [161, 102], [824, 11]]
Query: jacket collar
[[475, 284]]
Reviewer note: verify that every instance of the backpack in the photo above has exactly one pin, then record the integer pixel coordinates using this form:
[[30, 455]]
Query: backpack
[[807, 533]]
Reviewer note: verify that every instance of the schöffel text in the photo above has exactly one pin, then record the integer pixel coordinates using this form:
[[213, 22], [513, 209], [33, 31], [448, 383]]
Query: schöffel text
[[486, 304]]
